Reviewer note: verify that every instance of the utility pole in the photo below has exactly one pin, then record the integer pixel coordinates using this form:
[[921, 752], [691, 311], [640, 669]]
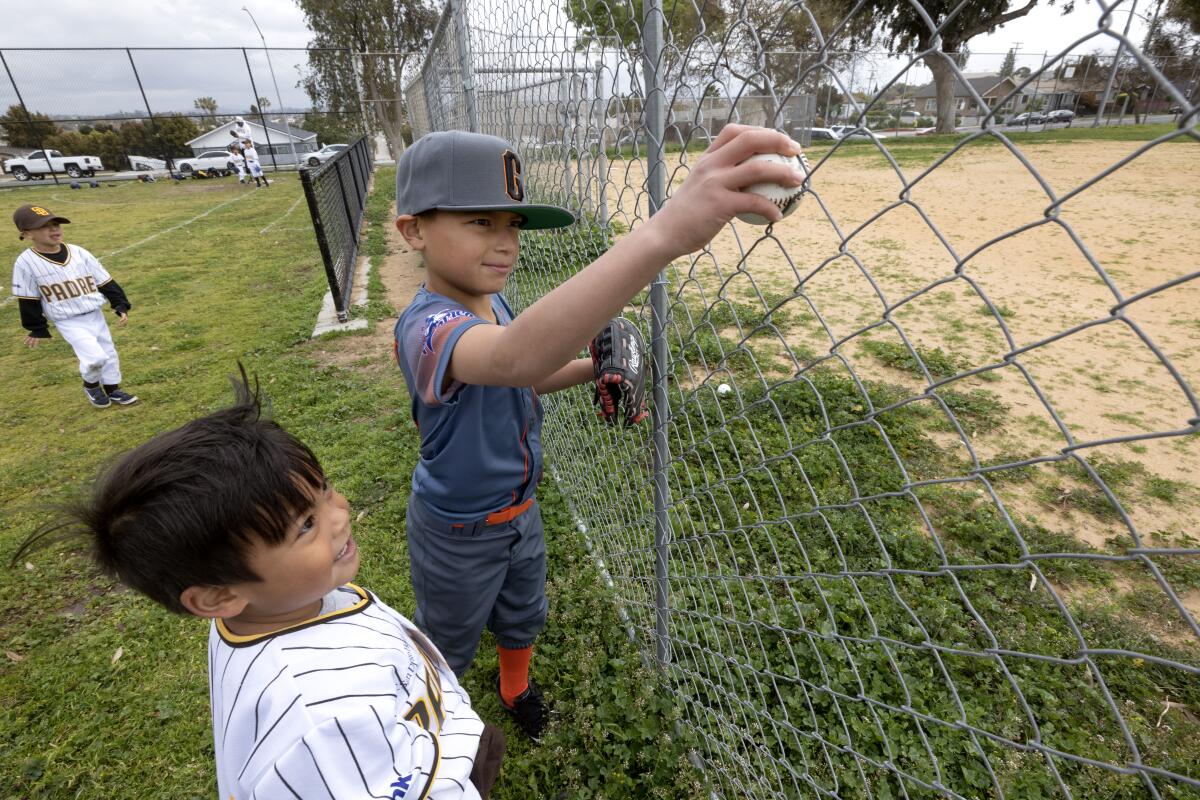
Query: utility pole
[[278, 97]]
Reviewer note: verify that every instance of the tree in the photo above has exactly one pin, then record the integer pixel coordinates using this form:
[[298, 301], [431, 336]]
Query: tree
[[1173, 46], [1185, 13], [778, 52], [401, 29], [1010, 63], [332, 128], [166, 137], [684, 20], [905, 29], [208, 106], [22, 129], [767, 49]]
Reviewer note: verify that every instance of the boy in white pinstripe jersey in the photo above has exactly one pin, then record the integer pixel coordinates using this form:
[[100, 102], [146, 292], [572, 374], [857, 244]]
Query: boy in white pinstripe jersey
[[315, 685], [65, 283]]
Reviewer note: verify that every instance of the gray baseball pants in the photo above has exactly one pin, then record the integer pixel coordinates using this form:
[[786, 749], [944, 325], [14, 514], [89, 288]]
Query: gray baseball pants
[[474, 575]]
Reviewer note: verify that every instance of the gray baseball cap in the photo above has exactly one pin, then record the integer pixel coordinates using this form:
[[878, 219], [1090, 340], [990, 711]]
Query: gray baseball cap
[[462, 171]]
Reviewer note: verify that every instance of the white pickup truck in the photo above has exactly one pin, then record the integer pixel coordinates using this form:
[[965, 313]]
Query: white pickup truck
[[35, 165]]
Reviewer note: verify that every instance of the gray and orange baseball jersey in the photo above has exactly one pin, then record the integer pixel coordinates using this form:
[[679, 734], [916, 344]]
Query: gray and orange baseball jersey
[[353, 703]]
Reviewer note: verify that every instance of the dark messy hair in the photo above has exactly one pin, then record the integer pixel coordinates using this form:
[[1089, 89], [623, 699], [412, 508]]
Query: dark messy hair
[[182, 509]]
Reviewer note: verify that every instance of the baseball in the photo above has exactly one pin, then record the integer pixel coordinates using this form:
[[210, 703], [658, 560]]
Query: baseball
[[724, 389], [787, 198]]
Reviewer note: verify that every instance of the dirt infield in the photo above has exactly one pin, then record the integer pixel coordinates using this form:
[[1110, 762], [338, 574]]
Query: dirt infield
[[896, 272]]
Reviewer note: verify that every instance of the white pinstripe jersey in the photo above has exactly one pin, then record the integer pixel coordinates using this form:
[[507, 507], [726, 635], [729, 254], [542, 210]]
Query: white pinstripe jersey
[[66, 290], [354, 703]]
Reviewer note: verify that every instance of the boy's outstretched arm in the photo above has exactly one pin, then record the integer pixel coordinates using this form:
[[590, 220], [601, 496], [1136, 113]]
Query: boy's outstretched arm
[[581, 370], [556, 328]]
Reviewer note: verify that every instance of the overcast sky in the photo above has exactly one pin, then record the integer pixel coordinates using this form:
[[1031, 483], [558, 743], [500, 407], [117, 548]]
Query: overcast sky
[[65, 82]]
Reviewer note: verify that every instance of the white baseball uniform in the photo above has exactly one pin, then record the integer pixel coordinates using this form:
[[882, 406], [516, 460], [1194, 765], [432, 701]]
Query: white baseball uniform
[[70, 297], [241, 130], [239, 164], [353, 703], [251, 156]]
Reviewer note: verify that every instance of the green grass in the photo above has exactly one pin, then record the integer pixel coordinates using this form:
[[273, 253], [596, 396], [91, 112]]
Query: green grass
[[76, 723], [826, 616], [910, 147], [910, 151]]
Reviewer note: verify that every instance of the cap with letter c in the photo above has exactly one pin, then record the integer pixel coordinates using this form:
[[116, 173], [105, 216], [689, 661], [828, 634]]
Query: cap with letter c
[[463, 171]]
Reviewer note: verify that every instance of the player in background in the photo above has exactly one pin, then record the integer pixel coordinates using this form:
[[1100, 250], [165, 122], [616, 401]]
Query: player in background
[[255, 168], [239, 162], [67, 285], [474, 372], [314, 682], [240, 131]]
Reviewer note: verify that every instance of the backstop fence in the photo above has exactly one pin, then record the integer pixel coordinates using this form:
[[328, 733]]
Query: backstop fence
[[336, 192], [915, 516]]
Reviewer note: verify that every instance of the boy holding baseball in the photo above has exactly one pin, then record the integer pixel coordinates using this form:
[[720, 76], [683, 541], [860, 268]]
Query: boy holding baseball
[[65, 283], [475, 371], [315, 684]]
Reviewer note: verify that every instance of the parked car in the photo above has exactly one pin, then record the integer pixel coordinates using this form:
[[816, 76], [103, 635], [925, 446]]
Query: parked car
[[146, 163], [815, 134], [324, 154], [1028, 118], [40, 163], [855, 132], [1060, 115], [213, 159], [908, 117]]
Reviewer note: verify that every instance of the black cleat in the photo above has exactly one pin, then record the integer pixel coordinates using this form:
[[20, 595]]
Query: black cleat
[[528, 710]]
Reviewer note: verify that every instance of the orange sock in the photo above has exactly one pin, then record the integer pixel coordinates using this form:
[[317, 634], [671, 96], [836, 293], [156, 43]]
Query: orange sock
[[514, 672]]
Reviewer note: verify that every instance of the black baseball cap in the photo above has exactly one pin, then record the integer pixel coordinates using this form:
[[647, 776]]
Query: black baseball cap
[[30, 217], [463, 171]]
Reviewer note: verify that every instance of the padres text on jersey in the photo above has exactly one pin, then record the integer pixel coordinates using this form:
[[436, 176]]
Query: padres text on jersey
[[66, 290]]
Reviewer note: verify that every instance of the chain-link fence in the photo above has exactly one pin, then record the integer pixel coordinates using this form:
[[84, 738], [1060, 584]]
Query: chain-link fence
[[915, 516], [336, 192]]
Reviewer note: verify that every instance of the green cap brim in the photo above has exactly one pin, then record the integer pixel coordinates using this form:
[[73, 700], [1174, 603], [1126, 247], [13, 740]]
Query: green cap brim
[[537, 217]]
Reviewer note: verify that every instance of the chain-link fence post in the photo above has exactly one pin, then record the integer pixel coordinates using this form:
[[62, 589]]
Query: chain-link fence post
[[601, 102], [1116, 64], [356, 67], [463, 39], [28, 117], [656, 182], [150, 114], [261, 116]]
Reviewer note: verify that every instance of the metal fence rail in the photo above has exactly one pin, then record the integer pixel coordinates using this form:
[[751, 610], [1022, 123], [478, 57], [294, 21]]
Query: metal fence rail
[[915, 516], [336, 193]]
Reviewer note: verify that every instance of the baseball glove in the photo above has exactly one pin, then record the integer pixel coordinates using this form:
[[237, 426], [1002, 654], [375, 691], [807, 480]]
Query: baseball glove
[[619, 357]]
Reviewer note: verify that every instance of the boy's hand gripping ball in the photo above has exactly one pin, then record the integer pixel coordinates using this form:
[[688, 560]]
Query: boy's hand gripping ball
[[785, 197], [619, 358]]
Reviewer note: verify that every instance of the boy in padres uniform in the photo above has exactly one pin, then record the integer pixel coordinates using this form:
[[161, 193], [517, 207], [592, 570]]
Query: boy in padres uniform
[[239, 162], [252, 165], [475, 372], [65, 283], [317, 688]]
